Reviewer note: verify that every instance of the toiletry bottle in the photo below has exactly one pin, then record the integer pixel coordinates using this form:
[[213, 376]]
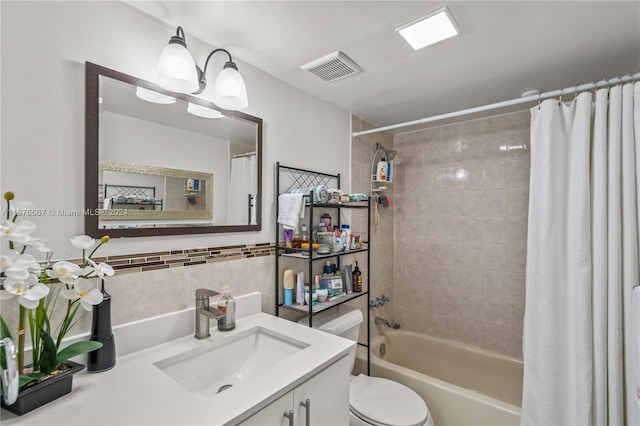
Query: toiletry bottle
[[297, 241], [345, 234], [304, 232], [357, 279], [228, 306], [326, 270]]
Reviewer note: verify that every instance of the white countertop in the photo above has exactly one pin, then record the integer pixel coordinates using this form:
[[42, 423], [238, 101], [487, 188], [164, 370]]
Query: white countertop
[[136, 392]]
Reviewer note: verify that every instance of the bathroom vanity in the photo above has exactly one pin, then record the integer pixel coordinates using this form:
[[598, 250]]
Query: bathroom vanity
[[271, 364]]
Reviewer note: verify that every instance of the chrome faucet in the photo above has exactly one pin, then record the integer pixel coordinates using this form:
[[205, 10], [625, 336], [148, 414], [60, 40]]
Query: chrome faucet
[[205, 312], [388, 323]]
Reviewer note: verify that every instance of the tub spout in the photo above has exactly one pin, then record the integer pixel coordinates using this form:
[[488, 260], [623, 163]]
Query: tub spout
[[388, 323]]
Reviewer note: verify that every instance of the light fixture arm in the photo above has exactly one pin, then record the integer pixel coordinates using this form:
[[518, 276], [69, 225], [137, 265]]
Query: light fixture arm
[[202, 74], [179, 38]]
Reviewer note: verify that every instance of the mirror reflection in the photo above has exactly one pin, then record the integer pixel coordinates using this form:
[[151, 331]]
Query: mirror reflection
[[168, 163], [140, 192]]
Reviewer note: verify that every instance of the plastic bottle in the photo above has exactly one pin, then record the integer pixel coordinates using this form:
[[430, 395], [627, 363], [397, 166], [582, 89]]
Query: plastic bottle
[[228, 306], [304, 232], [345, 236], [297, 241], [357, 279]]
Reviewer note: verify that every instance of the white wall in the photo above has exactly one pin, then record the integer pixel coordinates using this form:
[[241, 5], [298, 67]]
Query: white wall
[[44, 47]]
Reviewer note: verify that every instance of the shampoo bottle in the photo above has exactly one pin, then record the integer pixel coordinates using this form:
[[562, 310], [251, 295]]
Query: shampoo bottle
[[357, 279]]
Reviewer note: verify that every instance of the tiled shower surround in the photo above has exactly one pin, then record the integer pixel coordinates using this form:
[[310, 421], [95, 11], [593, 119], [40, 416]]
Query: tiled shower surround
[[460, 216]]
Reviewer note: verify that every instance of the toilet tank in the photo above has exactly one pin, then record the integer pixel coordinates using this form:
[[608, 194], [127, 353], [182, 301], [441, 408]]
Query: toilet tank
[[343, 321]]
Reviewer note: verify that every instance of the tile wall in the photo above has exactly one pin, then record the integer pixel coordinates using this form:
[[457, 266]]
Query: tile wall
[[461, 202], [150, 284], [382, 251]]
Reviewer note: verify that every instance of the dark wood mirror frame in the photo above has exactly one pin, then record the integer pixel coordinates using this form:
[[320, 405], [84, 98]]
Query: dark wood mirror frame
[[91, 222]]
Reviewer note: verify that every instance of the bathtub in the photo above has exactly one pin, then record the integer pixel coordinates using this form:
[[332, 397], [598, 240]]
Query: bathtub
[[462, 384]]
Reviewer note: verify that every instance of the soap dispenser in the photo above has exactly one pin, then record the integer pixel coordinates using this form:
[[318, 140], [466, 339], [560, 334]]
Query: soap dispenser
[[228, 306]]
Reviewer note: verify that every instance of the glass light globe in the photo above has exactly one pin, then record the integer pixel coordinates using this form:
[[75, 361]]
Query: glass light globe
[[230, 91], [203, 112], [177, 70]]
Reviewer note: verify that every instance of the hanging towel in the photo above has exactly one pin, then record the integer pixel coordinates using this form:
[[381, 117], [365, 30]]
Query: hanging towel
[[635, 345], [290, 210]]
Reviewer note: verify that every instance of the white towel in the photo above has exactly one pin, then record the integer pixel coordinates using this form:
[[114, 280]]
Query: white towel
[[290, 210], [634, 412]]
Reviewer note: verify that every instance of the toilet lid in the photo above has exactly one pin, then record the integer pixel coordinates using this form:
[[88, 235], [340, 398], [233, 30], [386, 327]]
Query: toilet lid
[[385, 402]]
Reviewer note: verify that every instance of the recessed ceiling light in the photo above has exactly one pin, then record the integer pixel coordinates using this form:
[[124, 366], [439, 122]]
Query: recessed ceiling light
[[432, 28]]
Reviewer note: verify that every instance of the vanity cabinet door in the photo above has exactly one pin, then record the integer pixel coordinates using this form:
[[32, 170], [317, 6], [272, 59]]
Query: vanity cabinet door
[[328, 395], [272, 414]]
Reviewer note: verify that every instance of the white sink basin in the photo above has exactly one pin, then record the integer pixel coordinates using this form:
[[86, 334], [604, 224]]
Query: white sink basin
[[230, 360]]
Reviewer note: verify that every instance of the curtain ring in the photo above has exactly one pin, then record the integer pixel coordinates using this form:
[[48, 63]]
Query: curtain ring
[[539, 99], [575, 93], [560, 98]]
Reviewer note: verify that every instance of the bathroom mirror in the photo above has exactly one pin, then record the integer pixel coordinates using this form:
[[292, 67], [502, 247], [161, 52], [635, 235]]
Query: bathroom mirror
[[163, 163]]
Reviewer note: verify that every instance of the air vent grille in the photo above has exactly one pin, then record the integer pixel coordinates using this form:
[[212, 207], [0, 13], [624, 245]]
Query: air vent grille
[[332, 67]]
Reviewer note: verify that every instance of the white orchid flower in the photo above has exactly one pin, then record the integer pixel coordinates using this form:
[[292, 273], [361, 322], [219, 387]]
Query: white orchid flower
[[85, 291], [23, 266], [36, 243], [17, 232], [6, 260], [102, 269], [64, 271], [29, 291], [83, 242]]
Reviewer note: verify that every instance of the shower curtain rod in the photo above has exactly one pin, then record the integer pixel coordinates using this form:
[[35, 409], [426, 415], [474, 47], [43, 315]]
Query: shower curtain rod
[[244, 154], [522, 100]]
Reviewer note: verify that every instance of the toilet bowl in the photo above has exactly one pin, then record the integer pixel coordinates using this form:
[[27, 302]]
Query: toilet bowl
[[372, 400]]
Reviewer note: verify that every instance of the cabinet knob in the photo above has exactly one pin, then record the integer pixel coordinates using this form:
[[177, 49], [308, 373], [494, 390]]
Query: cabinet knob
[[289, 416], [307, 406]]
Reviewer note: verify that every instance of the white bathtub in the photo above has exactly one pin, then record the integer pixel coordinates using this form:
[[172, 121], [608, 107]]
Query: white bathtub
[[462, 384]]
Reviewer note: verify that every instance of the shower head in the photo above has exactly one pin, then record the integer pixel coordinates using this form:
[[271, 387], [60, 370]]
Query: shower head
[[389, 153]]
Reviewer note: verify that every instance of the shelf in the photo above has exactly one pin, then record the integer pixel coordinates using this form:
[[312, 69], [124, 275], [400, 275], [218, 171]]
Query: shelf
[[290, 179], [321, 306], [304, 254]]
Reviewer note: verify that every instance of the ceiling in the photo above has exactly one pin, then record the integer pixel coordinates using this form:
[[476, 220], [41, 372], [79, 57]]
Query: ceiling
[[504, 48]]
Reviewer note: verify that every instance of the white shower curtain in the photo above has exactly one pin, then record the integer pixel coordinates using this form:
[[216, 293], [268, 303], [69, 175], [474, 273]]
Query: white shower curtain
[[242, 182], [582, 261]]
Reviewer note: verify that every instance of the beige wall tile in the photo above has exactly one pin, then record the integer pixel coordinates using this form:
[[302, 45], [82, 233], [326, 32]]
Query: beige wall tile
[[459, 229], [502, 339], [484, 309]]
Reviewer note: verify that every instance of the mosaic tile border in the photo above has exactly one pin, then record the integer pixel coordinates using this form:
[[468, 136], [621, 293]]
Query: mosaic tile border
[[140, 262]]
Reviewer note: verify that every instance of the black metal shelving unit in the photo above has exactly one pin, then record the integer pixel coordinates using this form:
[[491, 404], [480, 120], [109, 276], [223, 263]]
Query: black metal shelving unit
[[289, 178]]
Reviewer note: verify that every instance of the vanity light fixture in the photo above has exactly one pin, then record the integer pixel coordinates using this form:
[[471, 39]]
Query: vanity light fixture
[[429, 29], [154, 97], [203, 112], [178, 72]]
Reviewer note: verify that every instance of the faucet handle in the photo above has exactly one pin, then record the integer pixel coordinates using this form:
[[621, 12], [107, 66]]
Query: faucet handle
[[205, 293]]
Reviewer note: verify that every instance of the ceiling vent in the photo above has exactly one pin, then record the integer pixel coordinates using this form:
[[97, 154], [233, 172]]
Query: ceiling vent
[[332, 67]]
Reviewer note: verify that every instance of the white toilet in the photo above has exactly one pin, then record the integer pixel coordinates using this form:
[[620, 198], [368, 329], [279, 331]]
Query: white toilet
[[372, 400]]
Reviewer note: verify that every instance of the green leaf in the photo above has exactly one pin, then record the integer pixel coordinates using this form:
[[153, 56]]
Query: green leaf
[[76, 349], [29, 377], [4, 329], [48, 355], [4, 332]]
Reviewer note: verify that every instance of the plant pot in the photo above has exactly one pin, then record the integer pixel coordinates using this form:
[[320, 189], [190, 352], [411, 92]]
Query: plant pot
[[37, 394]]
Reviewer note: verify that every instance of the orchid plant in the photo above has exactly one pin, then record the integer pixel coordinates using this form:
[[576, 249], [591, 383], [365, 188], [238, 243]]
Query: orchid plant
[[36, 286]]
